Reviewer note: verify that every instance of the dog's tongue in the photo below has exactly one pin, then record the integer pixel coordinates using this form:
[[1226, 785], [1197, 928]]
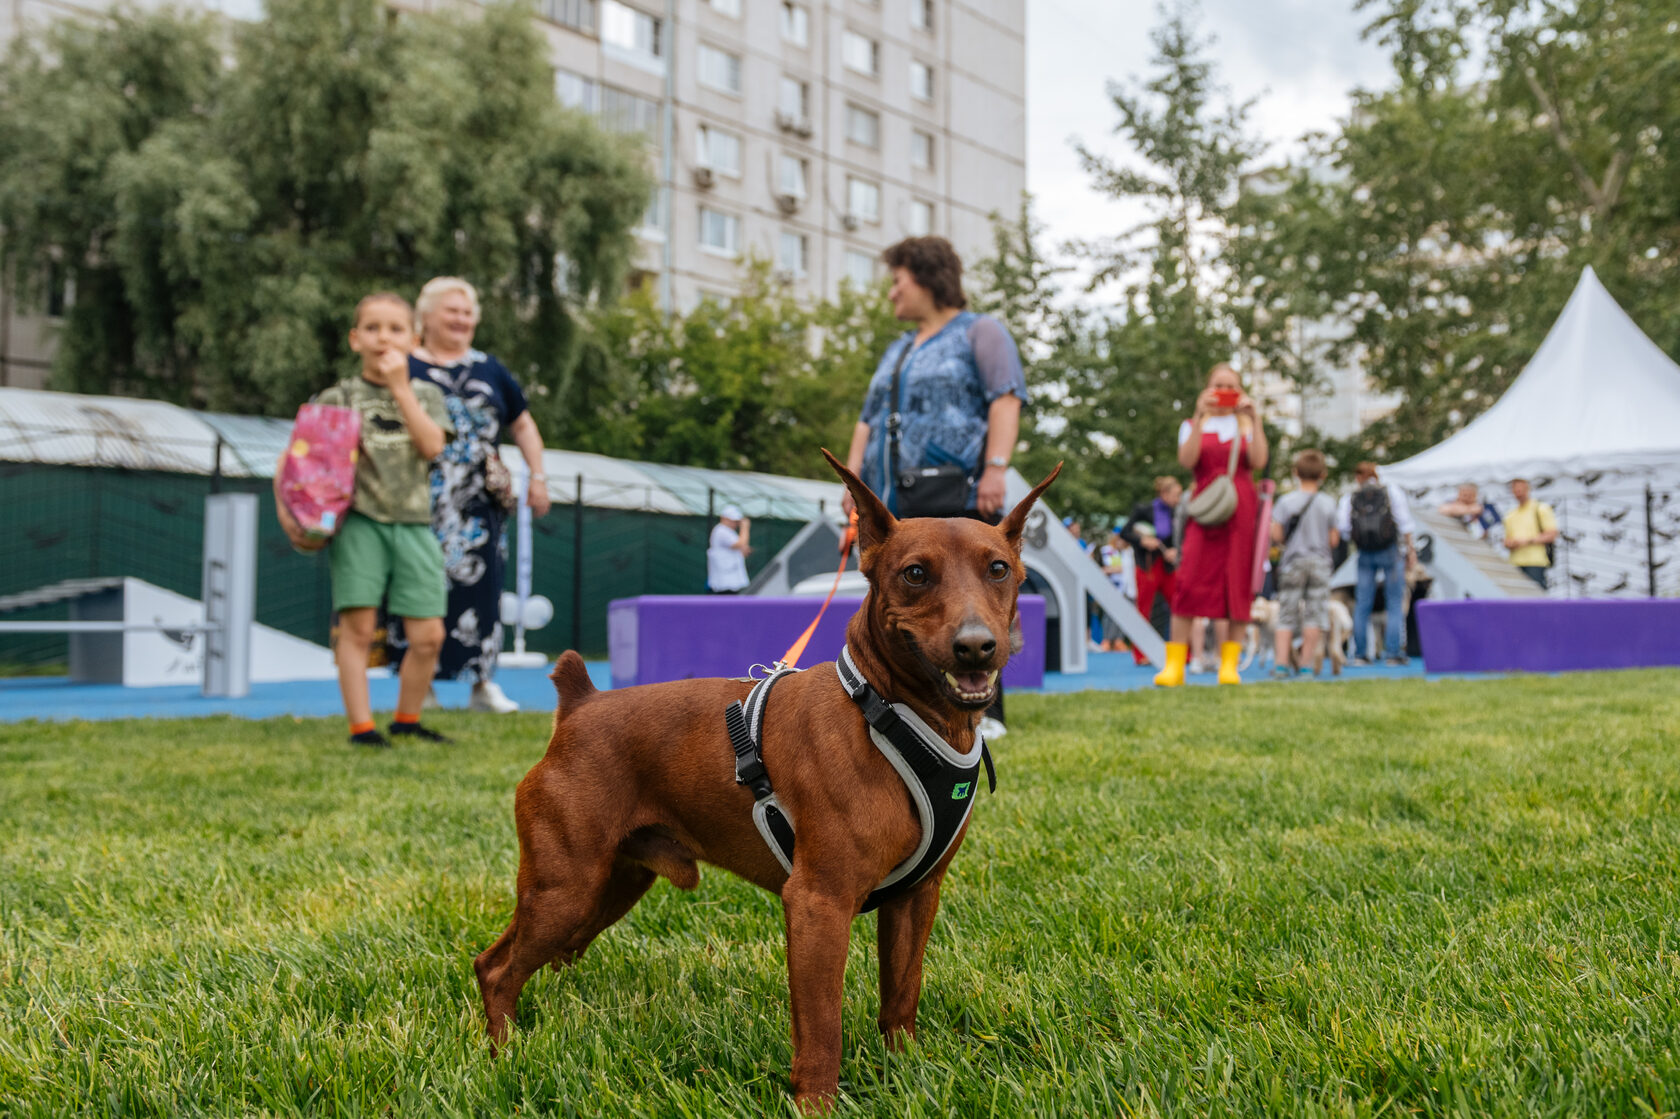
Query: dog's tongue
[[973, 682]]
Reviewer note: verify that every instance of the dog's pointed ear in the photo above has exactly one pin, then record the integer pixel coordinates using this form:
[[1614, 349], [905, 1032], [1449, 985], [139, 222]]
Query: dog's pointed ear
[[874, 522], [1016, 521]]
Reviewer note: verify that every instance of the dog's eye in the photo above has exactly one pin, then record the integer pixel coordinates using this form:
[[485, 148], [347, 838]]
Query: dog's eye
[[999, 570], [915, 575]]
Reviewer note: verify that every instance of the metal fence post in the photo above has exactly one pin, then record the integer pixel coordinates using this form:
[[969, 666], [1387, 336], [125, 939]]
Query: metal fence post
[[577, 566], [1650, 545]]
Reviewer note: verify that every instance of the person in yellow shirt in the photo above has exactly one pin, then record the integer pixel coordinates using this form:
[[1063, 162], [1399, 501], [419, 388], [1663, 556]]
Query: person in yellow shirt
[[1529, 528]]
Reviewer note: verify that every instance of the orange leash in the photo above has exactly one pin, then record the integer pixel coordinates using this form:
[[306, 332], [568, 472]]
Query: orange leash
[[797, 649]]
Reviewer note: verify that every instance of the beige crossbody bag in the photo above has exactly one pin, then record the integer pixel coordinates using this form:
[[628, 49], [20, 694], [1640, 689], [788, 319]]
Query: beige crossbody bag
[[1216, 504]]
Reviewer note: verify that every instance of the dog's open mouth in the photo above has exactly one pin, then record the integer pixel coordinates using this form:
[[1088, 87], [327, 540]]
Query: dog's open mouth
[[972, 689]]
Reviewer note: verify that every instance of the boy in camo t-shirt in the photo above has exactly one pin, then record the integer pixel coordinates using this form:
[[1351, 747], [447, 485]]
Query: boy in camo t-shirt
[[1304, 522], [385, 551]]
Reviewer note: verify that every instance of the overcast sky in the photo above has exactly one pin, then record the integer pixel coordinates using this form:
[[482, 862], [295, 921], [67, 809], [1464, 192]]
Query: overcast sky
[[1299, 57]]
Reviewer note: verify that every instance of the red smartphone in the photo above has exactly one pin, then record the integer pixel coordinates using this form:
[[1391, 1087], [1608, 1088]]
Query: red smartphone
[[1226, 398]]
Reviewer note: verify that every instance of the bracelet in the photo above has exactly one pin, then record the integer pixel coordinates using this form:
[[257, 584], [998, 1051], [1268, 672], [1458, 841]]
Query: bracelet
[[998, 460], [539, 478]]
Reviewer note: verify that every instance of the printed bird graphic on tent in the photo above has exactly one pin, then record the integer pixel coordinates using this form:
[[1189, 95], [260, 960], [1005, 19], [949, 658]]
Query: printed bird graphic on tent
[[1615, 516], [1591, 477]]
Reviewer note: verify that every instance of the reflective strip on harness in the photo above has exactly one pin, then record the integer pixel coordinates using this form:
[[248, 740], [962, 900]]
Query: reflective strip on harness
[[941, 782]]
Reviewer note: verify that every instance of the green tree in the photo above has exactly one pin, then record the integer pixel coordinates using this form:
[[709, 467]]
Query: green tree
[[757, 381], [1113, 388], [219, 222], [1447, 222]]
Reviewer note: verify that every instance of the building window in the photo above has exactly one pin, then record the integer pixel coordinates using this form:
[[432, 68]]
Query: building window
[[793, 99], [720, 69], [921, 151], [657, 217], [796, 24], [792, 253], [623, 111], [579, 14], [863, 126], [860, 53], [790, 176], [863, 199], [921, 15], [731, 8], [720, 233], [921, 218], [860, 269], [921, 81], [634, 34], [721, 151], [577, 92]]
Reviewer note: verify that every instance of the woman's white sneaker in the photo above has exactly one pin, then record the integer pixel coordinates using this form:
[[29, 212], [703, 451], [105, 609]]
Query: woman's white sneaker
[[487, 695]]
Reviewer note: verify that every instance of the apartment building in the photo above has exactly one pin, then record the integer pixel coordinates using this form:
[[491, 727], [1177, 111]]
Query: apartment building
[[809, 133]]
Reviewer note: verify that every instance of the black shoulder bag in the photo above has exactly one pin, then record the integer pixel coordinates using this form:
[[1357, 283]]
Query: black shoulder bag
[[923, 491]]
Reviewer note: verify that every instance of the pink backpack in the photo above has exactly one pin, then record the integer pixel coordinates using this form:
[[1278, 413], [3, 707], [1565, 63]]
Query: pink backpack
[[318, 476]]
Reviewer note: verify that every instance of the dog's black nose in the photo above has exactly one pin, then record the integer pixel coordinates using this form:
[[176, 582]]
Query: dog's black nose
[[973, 646]]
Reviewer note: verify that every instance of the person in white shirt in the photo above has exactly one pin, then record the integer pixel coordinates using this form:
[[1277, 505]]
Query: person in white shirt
[[726, 553], [1376, 518]]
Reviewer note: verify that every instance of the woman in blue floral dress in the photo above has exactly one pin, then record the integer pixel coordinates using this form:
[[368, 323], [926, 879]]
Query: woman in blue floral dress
[[485, 402], [961, 387], [961, 384]]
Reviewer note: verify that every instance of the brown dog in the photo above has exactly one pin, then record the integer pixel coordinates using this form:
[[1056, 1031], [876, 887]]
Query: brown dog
[[640, 782]]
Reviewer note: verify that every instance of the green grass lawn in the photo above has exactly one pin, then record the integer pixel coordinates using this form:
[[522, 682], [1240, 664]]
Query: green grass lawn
[[1378, 898]]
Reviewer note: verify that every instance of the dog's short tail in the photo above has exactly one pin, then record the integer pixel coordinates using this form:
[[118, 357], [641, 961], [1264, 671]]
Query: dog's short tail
[[571, 681]]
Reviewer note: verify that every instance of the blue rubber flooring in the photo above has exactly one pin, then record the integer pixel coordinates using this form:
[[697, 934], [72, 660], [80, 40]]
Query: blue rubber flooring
[[56, 699]]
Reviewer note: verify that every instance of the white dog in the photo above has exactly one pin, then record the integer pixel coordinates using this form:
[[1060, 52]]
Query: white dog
[[1258, 640]]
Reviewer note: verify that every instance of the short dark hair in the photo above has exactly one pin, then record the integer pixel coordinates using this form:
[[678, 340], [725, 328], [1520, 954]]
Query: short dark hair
[[932, 263], [1309, 465], [383, 297]]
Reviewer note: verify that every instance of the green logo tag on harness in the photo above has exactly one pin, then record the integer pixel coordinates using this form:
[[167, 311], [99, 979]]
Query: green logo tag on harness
[[961, 791]]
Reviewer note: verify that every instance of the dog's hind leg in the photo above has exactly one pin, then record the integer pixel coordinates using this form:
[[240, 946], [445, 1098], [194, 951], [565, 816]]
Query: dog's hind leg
[[547, 921], [625, 888], [901, 935]]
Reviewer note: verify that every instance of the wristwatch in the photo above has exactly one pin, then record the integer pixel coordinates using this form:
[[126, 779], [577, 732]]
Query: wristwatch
[[997, 460]]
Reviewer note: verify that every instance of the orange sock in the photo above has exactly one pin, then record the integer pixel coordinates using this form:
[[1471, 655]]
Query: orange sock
[[401, 718], [362, 728]]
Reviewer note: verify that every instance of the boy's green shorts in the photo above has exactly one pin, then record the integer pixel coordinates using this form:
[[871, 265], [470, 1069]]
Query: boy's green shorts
[[400, 565]]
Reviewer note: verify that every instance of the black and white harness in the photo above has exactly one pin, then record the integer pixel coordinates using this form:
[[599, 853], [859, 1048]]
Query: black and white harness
[[940, 780]]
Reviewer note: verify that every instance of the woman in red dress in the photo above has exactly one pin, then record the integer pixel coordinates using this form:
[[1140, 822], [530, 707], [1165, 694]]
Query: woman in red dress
[[1215, 577]]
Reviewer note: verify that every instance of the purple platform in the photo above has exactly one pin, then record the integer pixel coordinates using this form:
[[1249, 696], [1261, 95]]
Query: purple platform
[[1498, 635], [680, 637]]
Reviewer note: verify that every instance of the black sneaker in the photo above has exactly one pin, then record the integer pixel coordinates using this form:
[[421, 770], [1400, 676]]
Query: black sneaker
[[420, 731], [371, 738], [1396, 662]]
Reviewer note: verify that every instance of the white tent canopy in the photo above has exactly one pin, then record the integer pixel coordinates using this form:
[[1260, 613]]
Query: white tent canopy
[[1593, 422], [1597, 395], [104, 431]]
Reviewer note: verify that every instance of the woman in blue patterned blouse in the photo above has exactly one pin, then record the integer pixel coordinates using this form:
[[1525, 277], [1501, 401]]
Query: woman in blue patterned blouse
[[960, 392], [961, 386], [486, 404]]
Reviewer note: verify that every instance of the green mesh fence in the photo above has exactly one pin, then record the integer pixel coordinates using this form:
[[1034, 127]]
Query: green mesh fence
[[67, 522]]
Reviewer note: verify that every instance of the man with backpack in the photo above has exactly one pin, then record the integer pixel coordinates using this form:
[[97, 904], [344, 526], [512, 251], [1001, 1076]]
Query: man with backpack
[[1531, 532], [1376, 517]]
